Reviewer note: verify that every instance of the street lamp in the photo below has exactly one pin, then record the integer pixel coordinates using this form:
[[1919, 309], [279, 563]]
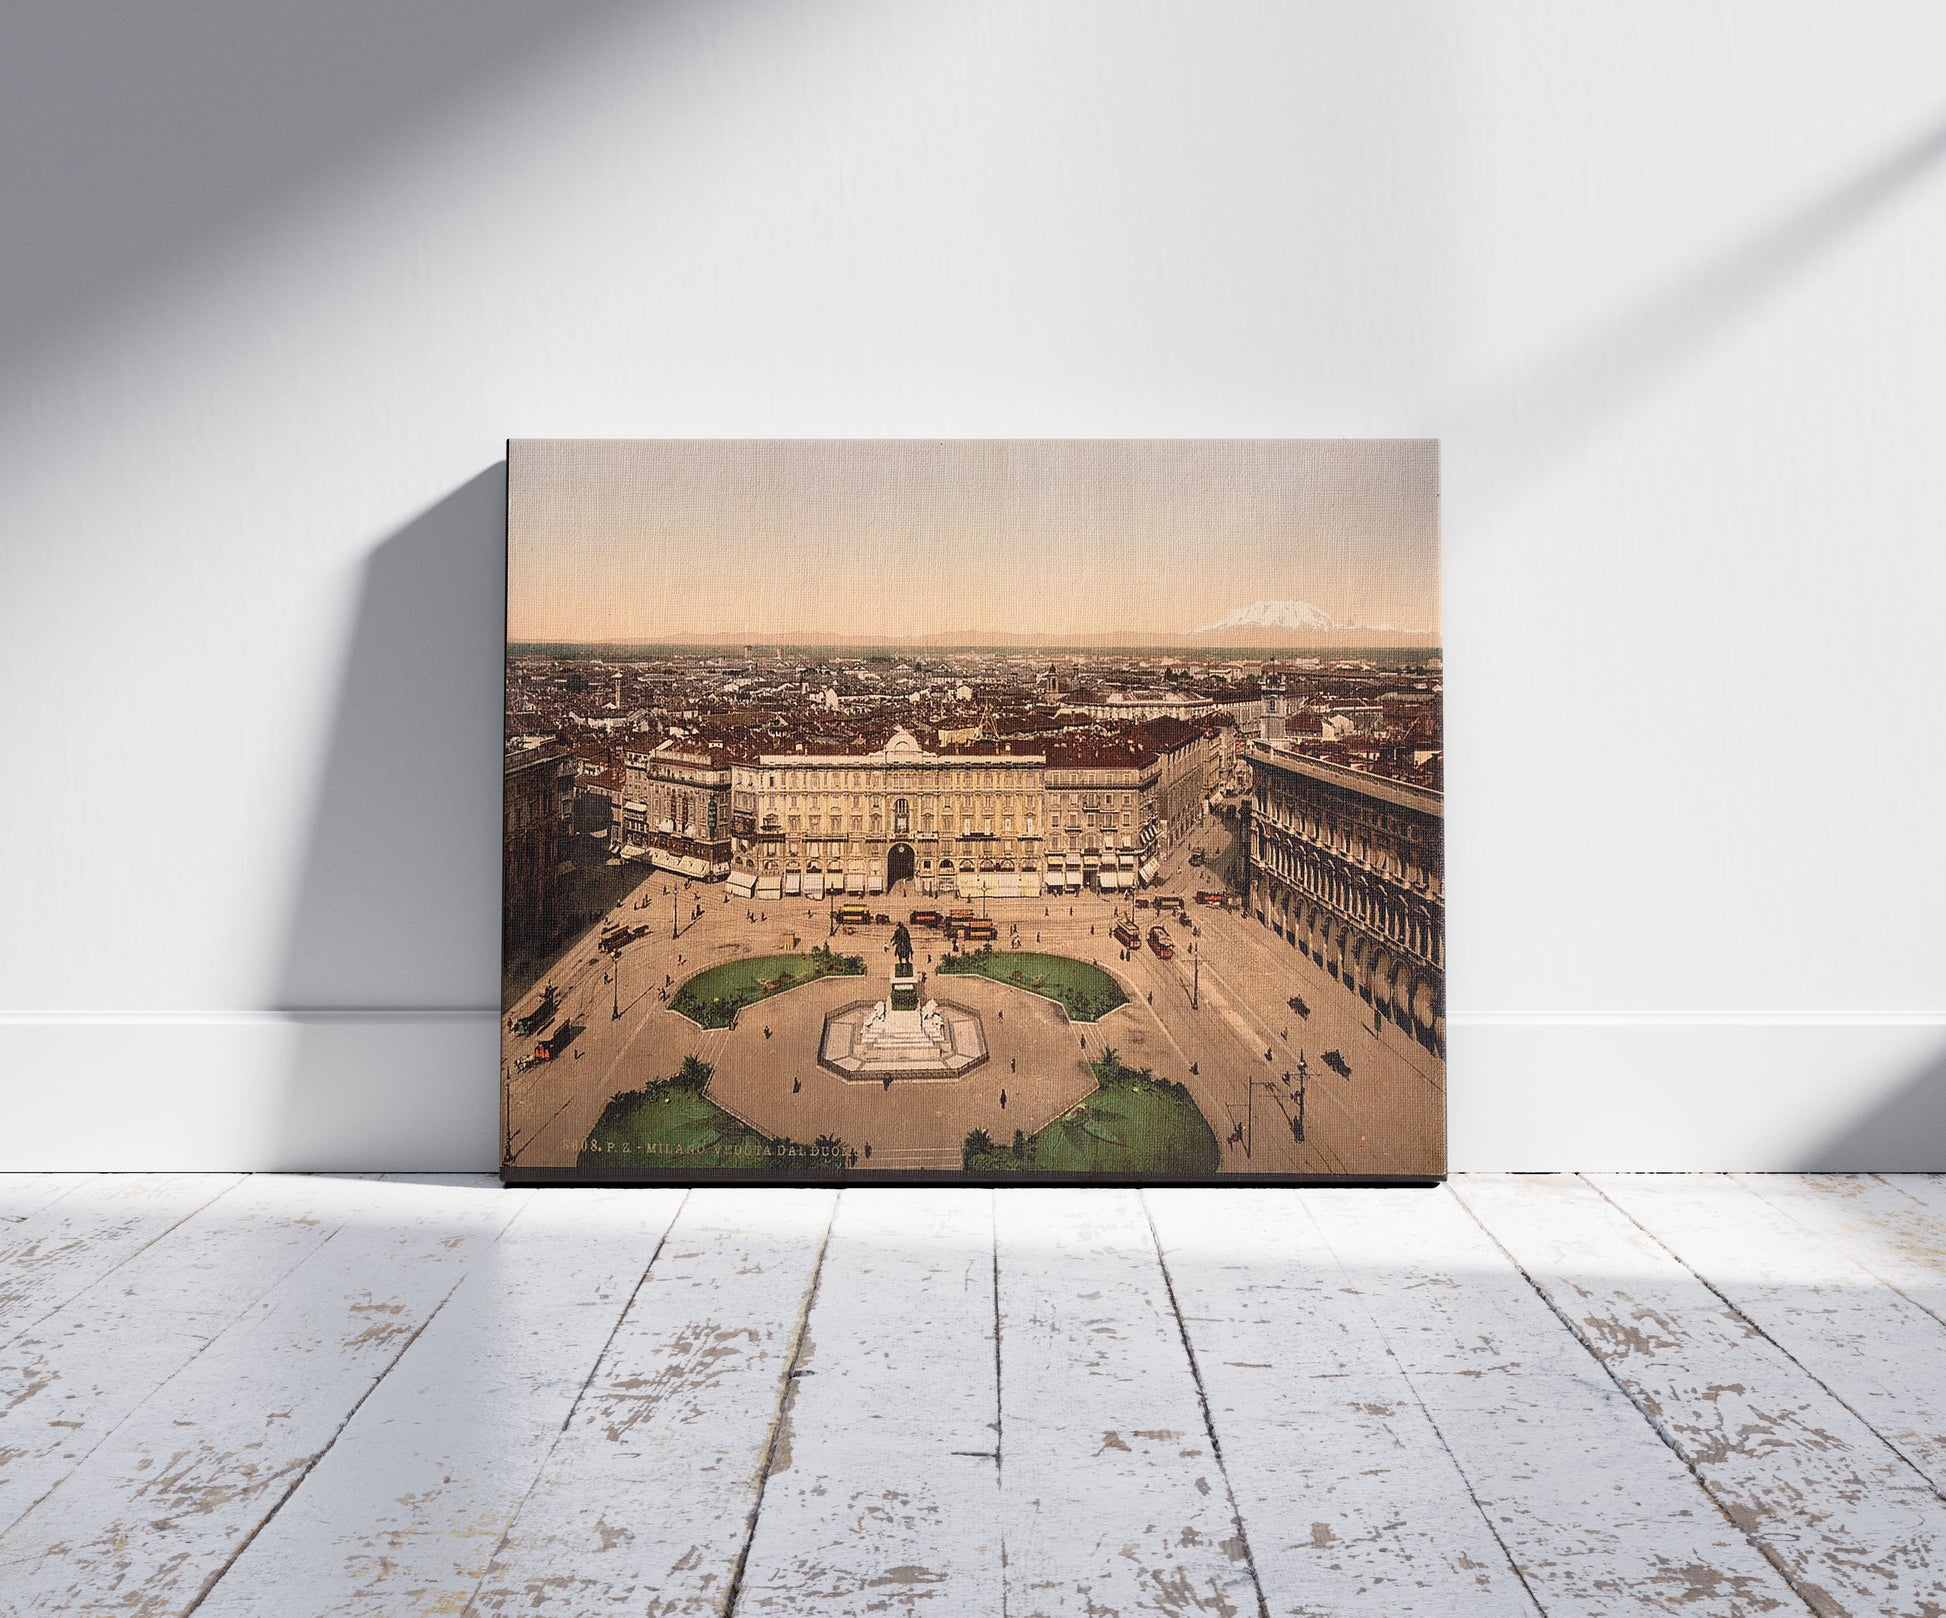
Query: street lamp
[[1250, 1115], [1303, 1070], [1196, 980]]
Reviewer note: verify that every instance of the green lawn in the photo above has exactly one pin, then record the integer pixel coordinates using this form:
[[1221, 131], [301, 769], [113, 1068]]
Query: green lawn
[[1087, 992], [1134, 1123], [712, 998], [672, 1124]]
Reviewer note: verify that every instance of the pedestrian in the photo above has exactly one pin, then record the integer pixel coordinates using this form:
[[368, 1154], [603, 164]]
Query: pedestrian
[[1003, 1100], [1013, 1064], [868, 1151], [796, 1085]]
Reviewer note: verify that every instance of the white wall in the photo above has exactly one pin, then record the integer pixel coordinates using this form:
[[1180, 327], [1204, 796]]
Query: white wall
[[278, 281]]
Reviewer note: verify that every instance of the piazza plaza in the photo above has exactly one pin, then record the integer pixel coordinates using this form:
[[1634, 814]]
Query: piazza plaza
[[747, 803]]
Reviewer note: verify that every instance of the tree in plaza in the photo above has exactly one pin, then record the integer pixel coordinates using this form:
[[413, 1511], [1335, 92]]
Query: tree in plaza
[[694, 1072]]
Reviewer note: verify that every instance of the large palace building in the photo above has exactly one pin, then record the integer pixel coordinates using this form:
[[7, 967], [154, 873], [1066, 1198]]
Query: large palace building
[[1350, 868], [975, 820]]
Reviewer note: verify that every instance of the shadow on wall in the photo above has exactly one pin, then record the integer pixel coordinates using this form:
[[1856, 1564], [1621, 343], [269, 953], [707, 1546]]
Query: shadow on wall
[[1550, 409], [391, 964], [135, 139], [1906, 1133]]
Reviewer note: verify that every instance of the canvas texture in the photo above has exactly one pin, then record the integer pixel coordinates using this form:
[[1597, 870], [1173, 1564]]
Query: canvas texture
[[991, 811]]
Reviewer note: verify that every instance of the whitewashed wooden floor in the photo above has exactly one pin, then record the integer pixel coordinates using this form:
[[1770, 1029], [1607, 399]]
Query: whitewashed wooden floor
[[1560, 1395]]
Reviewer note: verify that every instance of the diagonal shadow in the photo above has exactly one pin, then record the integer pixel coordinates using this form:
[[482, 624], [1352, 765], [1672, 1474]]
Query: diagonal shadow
[[1546, 411], [1904, 1134], [130, 136]]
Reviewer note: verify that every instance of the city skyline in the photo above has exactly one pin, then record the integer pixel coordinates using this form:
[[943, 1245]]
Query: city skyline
[[997, 542]]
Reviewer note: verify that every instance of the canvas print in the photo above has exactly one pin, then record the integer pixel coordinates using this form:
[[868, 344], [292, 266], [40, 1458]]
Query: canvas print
[[973, 810]]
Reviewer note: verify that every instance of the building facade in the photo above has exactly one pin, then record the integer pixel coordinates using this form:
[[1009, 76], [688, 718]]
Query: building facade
[[675, 811], [1182, 789], [1119, 706], [538, 812], [1350, 869], [1102, 824], [958, 824]]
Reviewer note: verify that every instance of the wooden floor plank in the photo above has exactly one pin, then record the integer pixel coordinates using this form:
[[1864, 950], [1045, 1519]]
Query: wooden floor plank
[[1113, 1499], [67, 1244], [1872, 1347], [1851, 1523], [22, 1194], [645, 1503], [883, 1495], [1892, 1224], [1350, 1500], [72, 1378], [158, 1509], [403, 1514], [1596, 1512]]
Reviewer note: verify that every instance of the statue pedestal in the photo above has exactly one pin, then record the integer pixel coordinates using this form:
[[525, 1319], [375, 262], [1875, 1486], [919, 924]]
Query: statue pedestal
[[899, 1038]]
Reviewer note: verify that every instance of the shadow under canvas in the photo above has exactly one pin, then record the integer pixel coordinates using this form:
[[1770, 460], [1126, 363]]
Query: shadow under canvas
[[391, 960]]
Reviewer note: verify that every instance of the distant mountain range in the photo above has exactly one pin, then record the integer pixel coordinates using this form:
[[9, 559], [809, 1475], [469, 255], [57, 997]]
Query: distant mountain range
[[1243, 637], [1300, 618], [1274, 615]]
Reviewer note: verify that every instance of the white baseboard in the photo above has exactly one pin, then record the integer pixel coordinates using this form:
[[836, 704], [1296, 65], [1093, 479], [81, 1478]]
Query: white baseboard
[[419, 1090], [1673, 1093], [252, 1090]]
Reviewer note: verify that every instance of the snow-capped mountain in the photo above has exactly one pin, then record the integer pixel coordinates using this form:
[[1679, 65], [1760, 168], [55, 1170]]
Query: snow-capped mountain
[[1274, 615]]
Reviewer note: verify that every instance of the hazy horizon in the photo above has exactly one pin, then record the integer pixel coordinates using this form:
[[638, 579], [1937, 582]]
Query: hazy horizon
[[916, 542]]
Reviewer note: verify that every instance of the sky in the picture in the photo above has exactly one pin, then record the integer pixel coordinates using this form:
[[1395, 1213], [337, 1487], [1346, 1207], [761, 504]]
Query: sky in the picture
[[779, 540]]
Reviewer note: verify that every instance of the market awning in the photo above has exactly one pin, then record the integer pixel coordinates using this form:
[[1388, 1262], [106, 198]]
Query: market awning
[[1108, 881], [814, 885], [855, 882], [1148, 870], [769, 887], [742, 882], [793, 882], [1056, 877]]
